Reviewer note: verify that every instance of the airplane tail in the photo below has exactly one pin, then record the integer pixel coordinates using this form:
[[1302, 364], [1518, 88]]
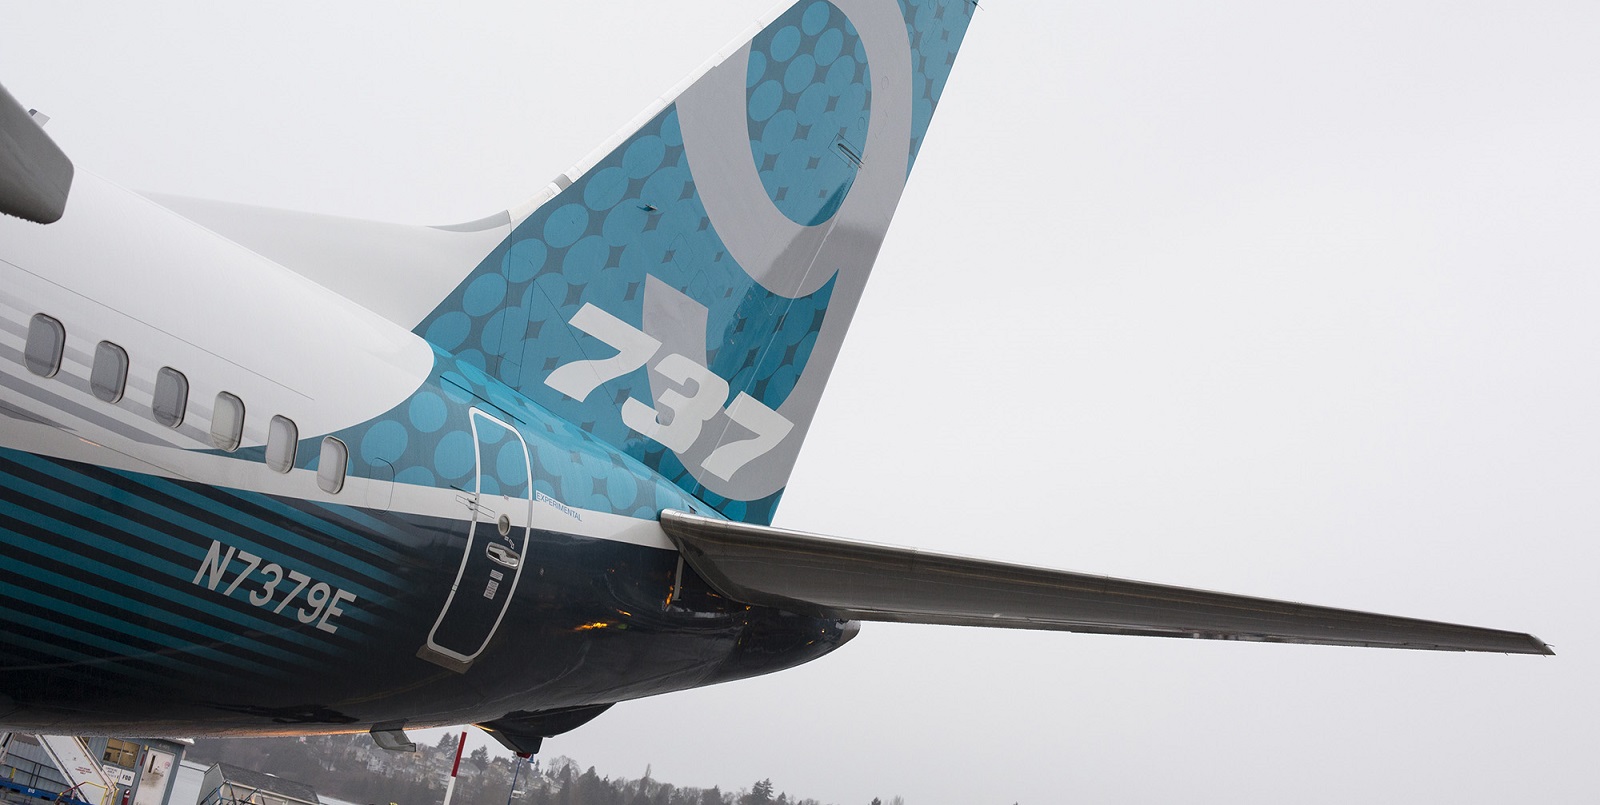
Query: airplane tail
[[684, 296]]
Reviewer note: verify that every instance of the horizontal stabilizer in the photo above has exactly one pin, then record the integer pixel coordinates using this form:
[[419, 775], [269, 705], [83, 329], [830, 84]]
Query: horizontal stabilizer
[[35, 175], [829, 577]]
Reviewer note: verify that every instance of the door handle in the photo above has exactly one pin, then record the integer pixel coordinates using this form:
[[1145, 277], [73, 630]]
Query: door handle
[[503, 556]]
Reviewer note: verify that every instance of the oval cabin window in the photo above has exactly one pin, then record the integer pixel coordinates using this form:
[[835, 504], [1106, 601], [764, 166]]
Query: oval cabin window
[[47, 339], [171, 399], [227, 422], [331, 465], [282, 437], [109, 377]]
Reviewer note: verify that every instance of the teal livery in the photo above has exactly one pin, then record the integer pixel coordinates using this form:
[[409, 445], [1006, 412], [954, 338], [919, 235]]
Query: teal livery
[[633, 236], [508, 473]]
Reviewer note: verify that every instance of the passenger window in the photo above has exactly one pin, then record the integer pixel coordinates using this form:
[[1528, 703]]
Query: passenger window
[[171, 399], [282, 436], [227, 422], [331, 466], [109, 377], [46, 341]]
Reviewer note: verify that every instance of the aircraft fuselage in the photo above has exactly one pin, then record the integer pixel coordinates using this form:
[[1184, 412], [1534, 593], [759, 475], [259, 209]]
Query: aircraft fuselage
[[171, 565]]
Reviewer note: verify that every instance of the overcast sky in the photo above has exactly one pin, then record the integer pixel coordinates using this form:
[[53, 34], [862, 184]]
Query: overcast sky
[[1297, 300]]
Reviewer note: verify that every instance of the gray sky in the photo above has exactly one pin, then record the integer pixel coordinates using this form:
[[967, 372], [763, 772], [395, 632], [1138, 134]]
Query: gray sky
[[1296, 300]]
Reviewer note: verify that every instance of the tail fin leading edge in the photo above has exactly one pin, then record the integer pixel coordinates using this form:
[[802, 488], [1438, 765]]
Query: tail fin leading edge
[[684, 299]]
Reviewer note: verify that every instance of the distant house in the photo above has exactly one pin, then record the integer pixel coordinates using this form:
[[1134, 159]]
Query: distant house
[[226, 784]]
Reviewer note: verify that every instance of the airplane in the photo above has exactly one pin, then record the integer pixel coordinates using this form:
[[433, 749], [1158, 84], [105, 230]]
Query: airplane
[[267, 472]]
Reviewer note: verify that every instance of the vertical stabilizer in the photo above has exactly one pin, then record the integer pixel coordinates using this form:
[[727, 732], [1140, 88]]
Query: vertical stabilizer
[[684, 298]]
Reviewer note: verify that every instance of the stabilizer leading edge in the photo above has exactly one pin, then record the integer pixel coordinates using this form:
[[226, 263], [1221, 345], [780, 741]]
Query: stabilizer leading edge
[[35, 176], [829, 577]]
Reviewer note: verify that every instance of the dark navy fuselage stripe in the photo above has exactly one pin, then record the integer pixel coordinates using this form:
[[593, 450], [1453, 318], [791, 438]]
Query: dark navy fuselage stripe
[[181, 557], [146, 536], [208, 525], [212, 518], [317, 528], [81, 605], [68, 621], [179, 614], [34, 651]]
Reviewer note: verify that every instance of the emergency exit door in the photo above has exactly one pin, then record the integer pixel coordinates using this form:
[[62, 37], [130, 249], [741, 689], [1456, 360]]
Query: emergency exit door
[[499, 513]]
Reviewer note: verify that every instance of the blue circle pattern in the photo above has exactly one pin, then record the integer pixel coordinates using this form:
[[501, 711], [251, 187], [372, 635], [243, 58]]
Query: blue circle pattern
[[936, 28], [638, 214], [809, 97], [428, 412], [569, 464], [385, 441], [577, 250]]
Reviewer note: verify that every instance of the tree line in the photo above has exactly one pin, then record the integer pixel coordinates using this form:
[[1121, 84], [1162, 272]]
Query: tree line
[[353, 768]]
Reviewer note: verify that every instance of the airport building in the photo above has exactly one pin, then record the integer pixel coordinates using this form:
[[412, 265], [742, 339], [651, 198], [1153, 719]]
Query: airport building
[[39, 769], [93, 771]]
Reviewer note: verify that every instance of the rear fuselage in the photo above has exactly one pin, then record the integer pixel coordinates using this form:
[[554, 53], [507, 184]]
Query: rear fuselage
[[234, 501]]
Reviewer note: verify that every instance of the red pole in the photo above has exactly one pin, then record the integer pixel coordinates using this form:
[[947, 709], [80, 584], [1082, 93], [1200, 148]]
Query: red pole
[[450, 788], [460, 745]]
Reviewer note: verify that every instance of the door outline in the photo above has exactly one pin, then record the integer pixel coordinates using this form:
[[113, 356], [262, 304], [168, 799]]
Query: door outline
[[432, 650]]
